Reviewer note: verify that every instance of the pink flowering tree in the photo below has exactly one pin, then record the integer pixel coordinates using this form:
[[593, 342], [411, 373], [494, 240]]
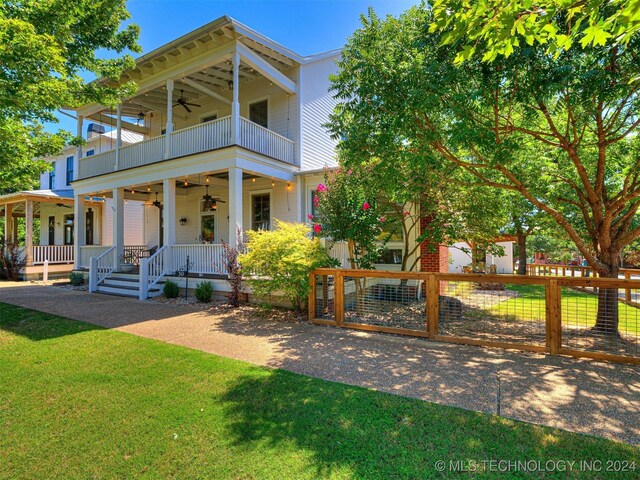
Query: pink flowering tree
[[349, 212]]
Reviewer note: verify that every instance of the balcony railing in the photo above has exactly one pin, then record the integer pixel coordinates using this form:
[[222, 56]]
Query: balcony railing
[[190, 141]]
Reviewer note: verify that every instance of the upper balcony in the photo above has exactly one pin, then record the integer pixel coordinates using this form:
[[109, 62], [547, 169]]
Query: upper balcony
[[220, 86], [192, 140]]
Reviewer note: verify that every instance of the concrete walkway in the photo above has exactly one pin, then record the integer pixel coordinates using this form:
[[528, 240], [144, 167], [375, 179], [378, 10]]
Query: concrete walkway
[[579, 395]]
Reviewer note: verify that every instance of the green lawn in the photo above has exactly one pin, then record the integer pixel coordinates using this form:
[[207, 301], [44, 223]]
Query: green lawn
[[77, 401], [578, 308]]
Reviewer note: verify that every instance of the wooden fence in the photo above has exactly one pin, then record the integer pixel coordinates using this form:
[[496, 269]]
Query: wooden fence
[[557, 315]]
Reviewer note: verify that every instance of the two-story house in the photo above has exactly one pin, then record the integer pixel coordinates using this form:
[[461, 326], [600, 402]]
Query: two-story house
[[233, 139]]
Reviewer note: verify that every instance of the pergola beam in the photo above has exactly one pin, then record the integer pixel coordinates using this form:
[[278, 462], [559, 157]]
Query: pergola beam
[[206, 91], [266, 69]]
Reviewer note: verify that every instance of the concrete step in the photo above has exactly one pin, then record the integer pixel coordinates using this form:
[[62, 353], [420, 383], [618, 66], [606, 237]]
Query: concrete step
[[126, 285]]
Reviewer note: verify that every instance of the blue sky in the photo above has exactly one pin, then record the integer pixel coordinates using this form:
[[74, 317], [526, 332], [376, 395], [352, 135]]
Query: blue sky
[[305, 26]]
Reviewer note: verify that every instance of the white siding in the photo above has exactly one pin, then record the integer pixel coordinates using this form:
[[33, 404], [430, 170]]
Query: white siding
[[133, 223], [318, 148]]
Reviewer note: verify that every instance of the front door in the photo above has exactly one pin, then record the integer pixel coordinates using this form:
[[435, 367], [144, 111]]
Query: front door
[[68, 229], [52, 230], [208, 227], [89, 227]]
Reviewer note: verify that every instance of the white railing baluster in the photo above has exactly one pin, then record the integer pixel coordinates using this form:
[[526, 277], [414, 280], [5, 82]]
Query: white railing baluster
[[101, 267]]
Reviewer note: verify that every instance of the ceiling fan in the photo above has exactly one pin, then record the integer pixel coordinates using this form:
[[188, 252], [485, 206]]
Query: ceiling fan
[[209, 202], [157, 203], [185, 103]]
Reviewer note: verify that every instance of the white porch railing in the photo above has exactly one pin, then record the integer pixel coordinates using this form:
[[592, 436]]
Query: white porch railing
[[100, 268], [98, 164], [152, 270], [52, 254], [203, 258], [141, 153], [262, 140], [88, 251], [190, 141], [201, 138]]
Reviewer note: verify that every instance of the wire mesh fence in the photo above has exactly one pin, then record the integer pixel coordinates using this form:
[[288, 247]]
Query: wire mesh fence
[[394, 303], [601, 320], [493, 311], [577, 316], [324, 295]]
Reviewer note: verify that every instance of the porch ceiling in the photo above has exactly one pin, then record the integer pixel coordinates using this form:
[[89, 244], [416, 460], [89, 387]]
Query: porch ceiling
[[213, 73]]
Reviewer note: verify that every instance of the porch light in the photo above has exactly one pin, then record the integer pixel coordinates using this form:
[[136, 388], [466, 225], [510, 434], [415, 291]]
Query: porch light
[[230, 84], [186, 184], [149, 189], [273, 183], [207, 179], [183, 221], [288, 186]]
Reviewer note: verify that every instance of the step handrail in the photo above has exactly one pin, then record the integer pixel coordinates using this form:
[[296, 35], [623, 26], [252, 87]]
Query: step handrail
[[152, 270], [101, 267]]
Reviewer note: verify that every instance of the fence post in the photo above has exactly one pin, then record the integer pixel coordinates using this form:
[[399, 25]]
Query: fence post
[[338, 297], [93, 274], [143, 279], [45, 271], [554, 317], [433, 297], [627, 291], [312, 296]]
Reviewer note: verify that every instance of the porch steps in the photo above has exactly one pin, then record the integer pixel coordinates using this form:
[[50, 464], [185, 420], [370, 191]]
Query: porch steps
[[126, 285]]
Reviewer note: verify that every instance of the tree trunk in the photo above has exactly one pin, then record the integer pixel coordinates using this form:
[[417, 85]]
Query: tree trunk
[[607, 317], [522, 252]]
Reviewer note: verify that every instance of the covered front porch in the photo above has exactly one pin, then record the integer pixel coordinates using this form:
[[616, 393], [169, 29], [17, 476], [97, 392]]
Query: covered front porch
[[187, 218]]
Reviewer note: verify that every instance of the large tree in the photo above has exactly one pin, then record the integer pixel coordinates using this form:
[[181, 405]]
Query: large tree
[[559, 130], [47, 49]]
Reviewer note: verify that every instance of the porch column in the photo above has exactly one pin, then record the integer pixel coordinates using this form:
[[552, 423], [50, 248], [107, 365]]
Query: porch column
[[79, 231], [78, 155], [235, 104], [28, 239], [118, 135], [118, 223], [8, 223], [169, 211], [169, 125], [14, 231], [235, 204]]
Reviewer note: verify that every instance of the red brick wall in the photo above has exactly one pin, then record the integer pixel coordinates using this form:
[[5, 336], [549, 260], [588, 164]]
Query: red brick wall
[[434, 258]]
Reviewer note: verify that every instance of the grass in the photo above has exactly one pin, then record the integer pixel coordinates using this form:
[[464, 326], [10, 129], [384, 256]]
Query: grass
[[77, 401], [578, 308]]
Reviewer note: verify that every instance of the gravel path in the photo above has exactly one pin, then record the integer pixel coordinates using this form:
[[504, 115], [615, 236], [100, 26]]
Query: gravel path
[[574, 394]]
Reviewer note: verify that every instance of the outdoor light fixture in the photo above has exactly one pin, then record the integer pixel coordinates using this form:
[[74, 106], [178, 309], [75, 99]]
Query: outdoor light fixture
[[253, 179], [186, 183], [288, 186], [273, 183], [183, 221], [230, 84], [148, 189]]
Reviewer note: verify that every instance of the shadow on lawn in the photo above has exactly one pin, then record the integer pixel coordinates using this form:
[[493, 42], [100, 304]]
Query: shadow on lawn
[[37, 326], [575, 394]]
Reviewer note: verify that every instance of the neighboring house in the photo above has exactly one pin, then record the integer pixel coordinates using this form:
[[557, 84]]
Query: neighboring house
[[234, 138], [460, 257], [53, 205]]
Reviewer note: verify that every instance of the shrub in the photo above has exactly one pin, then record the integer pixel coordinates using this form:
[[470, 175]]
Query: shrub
[[281, 260], [11, 261], [76, 279], [170, 289], [203, 292], [234, 270]]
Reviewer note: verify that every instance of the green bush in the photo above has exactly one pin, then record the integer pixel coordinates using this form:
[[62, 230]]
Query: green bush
[[76, 279], [280, 261], [203, 292], [170, 289]]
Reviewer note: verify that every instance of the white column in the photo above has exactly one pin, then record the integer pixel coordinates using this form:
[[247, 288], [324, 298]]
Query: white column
[[78, 155], [8, 223], [235, 204], [169, 211], [235, 103], [28, 241], [169, 125], [79, 230], [118, 223], [118, 134]]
